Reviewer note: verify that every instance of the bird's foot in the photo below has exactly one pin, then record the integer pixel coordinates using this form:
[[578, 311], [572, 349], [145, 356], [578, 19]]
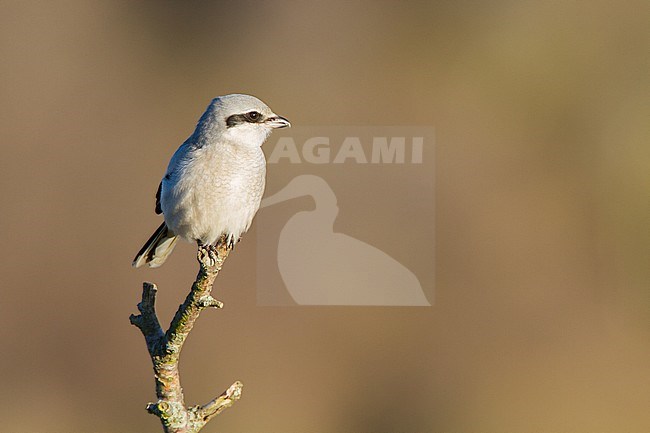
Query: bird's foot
[[229, 241], [207, 254]]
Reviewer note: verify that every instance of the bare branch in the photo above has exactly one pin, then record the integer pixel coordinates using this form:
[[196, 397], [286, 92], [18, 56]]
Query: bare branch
[[165, 347], [147, 320], [225, 400]]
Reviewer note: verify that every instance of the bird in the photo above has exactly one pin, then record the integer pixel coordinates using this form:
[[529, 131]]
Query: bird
[[214, 182]]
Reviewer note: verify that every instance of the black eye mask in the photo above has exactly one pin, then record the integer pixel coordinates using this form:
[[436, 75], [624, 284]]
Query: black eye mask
[[238, 119]]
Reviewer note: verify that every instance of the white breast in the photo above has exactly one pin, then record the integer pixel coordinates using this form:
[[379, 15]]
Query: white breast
[[214, 190]]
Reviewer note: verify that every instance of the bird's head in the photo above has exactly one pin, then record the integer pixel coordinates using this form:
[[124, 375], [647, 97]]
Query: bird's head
[[243, 119]]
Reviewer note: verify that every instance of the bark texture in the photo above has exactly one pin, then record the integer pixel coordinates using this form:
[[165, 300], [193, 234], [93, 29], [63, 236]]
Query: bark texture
[[165, 347]]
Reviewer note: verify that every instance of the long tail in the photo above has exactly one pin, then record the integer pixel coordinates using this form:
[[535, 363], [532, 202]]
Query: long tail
[[157, 248]]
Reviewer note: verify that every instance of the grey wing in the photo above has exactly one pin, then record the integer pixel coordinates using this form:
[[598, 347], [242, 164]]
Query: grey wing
[[183, 152]]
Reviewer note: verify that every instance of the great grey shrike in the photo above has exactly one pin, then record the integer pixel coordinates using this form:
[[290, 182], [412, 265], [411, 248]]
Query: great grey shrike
[[215, 181]]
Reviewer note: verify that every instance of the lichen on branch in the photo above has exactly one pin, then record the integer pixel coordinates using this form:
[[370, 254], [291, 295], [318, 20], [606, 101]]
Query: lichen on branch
[[165, 346]]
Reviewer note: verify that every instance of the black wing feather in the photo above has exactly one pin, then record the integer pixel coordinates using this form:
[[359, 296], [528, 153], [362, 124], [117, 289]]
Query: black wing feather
[[158, 208]]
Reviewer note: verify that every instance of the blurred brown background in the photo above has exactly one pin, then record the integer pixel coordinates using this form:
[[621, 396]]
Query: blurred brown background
[[541, 319]]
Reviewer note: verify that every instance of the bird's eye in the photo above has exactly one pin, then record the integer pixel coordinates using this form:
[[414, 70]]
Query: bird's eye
[[253, 116]]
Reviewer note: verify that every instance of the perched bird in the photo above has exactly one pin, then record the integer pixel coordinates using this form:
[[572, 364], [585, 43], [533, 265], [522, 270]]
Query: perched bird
[[215, 181]]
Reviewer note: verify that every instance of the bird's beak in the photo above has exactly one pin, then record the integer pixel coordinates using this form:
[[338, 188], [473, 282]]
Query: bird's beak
[[277, 122]]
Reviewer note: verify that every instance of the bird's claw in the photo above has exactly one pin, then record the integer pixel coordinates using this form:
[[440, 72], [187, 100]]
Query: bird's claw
[[229, 241], [208, 255]]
